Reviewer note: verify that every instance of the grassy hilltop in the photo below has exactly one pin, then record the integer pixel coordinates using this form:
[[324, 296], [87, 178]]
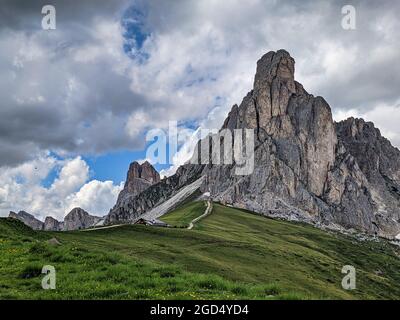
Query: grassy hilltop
[[230, 254]]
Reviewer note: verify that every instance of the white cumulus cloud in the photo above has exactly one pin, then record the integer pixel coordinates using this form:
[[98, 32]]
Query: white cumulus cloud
[[22, 189]]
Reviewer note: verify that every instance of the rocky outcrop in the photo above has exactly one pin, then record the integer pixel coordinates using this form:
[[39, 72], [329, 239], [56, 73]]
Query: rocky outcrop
[[375, 170], [28, 219], [139, 178], [51, 224], [294, 148], [78, 219], [306, 167], [133, 206]]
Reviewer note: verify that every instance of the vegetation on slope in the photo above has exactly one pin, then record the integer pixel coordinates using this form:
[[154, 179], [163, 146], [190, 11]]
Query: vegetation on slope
[[229, 254], [182, 216]]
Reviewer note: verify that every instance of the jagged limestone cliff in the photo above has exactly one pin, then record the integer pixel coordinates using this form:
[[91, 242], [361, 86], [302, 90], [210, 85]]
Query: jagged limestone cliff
[[306, 167]]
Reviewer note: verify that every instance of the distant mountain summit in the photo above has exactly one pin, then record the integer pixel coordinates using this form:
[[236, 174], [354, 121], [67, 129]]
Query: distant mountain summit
[[28, 219], [139, 178], [306, 167], [51, 224], [76, 219]]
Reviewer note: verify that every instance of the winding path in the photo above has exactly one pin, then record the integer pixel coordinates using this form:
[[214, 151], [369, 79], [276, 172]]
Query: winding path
[[191, 225], [102, 228], [205, 214]]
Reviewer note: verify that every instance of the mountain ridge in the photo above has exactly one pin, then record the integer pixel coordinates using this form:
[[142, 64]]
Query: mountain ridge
[[306, 165], [76, 219]]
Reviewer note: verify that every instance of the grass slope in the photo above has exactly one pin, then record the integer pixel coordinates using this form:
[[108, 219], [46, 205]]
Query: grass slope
[[182, 216], [230, 254]]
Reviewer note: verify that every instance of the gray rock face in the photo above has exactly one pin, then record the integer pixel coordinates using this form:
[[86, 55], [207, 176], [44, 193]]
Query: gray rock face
[[51, 224], [298, 124], [376, 170], [78, 219], [133, 206], [306, 167], [138, 179], [28, 219], [294, 148]]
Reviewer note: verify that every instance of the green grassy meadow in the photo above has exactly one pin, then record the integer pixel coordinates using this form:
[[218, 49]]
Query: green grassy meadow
[[182, 216], [230, 254]]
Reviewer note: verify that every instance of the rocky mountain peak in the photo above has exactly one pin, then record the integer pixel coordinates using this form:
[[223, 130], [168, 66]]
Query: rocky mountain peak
[[51, 224], [134, 170], [275, 65], [138, 179], [77, 211], [143, 171], [374, 153], [306, 167], [358, 129], [149, 173], [300, 124], [78, 218], [28, 219]]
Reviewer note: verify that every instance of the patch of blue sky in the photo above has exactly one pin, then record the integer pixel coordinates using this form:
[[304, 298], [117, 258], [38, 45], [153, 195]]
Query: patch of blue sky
[[189, 124], [135, 32], [20, 179], [112, 166], [54, 172], [51, 177]]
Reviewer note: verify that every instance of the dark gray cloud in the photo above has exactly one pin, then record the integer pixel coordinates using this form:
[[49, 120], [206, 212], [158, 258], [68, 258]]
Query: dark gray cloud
[[352, 68], [60, 87], [26, 15]]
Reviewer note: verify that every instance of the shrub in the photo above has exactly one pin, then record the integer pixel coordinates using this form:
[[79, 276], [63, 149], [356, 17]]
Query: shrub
[[238, 290], [271, 290], [39, 248], [31, 271], [211, 283]]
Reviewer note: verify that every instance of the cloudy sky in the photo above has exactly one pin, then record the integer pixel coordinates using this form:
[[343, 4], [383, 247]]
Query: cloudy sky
[[77, 101]]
